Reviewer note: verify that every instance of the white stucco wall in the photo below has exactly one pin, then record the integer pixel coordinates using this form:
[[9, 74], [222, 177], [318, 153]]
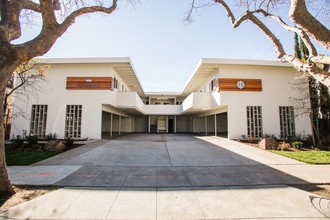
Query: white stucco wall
[[277, 88], [57, 97], [277, 85]]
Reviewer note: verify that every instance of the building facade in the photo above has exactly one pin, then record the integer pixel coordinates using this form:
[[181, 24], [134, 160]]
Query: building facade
[[102, 97]]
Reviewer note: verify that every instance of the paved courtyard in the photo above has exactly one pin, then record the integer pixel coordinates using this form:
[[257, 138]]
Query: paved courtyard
[[168, 176]]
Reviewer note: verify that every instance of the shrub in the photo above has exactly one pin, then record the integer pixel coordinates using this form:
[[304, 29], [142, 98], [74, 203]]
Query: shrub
[[309, 141], [32, 140], [68, 142], [297, 144], [50, 137], [17, 142], [326, 142], [270, 136]]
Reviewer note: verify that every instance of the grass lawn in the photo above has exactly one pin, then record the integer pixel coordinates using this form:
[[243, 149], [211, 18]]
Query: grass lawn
[[311, 157], [22, 158]]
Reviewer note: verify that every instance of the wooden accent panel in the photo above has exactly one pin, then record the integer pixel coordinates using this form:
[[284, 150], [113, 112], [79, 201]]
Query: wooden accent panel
[[244, 85], [89, 83]]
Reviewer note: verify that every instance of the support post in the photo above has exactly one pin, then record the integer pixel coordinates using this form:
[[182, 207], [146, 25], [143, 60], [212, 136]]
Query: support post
[[205, 125], [166, 121], [111, 124], [119, 125], [175, 124], [215, 124], [149, 124], [124, 126]]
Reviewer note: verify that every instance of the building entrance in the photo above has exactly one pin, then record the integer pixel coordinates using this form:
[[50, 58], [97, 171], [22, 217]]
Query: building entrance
[[170, 125]]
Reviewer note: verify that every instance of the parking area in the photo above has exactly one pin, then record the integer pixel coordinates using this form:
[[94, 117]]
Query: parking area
[[168, 176], [167, 160]]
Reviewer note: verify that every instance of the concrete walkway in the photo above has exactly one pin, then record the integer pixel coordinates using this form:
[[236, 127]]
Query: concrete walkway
[[171, 177]]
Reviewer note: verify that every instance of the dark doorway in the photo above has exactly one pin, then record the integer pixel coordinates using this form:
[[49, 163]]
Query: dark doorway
[[170, 125]]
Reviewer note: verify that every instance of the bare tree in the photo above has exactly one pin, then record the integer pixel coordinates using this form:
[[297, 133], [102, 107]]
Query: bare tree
[[302, 22], [55, 17], [23, 83]]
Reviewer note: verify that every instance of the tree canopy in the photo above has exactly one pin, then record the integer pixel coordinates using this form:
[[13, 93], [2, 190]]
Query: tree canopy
[[54, 18], [298, 16]]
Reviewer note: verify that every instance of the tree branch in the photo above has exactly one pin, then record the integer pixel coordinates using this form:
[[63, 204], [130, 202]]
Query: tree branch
[[318, 73], [47, 12], [249, 16], [86, 10], [10, 27], [311, 68], [300, 15], [312, 50], [29, 5], [51, 32], [320, 59]]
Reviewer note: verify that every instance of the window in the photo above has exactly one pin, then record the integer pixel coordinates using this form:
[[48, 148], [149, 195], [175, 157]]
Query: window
[[213, 84], [38, 120], [73, 121], [115, 83], [254, 121], [287, 123]]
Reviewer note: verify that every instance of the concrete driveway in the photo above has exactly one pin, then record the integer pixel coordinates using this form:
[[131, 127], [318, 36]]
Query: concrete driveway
[[168, 176]]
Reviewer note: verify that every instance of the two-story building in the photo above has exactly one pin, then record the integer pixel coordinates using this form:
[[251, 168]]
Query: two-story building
[[103, 97]]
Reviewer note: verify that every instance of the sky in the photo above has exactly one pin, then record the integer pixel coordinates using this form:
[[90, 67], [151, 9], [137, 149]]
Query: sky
[[163, 48]]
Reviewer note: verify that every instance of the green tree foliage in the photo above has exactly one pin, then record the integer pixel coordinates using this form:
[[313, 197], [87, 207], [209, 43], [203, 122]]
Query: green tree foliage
[[319, 97]]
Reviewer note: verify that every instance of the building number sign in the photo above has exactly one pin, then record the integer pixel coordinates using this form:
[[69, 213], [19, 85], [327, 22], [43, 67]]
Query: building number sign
[[240, 84]]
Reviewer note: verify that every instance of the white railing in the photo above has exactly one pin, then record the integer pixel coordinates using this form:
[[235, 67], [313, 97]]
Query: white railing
[[163, 109], [195, 101]]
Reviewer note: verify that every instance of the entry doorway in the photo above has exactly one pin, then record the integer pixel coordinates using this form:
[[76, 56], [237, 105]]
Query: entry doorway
[[170, 125]]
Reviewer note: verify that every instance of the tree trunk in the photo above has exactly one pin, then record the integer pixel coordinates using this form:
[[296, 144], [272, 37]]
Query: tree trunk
[[6, 188]]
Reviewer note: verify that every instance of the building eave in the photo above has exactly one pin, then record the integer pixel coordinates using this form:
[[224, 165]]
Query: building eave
[[207, 67], [122, 65]]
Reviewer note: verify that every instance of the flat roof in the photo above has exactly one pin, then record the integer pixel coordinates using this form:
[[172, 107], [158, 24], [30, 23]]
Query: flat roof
[[124, 67], [206, 67]]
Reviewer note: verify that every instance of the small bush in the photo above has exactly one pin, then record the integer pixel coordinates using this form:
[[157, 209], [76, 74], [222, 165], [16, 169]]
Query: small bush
[[270, 136], [68, 143], [32, 140], [17, 142], [50, 137], [309, 141], [297, 144], [326, 143]]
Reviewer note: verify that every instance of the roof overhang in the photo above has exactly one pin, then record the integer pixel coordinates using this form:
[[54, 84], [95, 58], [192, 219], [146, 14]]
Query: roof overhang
[[122, 65], [207, 67]]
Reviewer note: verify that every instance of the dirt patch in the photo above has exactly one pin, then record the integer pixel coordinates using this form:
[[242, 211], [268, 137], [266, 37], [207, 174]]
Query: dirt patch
[[23, 194], [321, 190]]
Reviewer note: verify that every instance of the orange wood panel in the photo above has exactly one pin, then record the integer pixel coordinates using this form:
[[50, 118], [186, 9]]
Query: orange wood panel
[[244, 85], [89, 83]]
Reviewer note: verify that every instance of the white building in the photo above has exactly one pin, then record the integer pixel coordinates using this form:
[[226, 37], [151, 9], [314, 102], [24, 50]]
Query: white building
[[102, 97]]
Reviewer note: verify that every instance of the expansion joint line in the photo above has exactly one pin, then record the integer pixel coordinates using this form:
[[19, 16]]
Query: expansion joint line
[[168, 153]]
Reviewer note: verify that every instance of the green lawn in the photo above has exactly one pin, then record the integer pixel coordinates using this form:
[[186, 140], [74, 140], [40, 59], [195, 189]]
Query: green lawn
[[23, 158], [311, 157]]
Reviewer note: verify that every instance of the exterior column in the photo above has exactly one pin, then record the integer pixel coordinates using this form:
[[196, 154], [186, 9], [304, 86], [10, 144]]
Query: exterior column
[[174, 123], [149, 124], [111, 124], [119, 124], [124, 126], [205, 125], [215, 124], [166, 121]]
